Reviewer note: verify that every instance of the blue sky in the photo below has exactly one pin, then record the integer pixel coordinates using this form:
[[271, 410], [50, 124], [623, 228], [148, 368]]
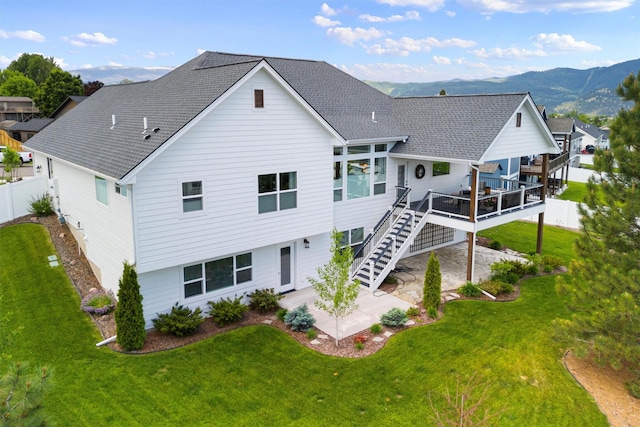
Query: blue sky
[[384, 40]]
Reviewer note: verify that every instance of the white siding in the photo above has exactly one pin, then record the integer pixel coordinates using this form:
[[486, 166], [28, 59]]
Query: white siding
[[105, 232], [528, 139], [227, 150]]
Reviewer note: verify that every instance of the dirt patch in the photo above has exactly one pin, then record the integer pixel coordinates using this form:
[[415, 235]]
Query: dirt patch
[[604, 384]]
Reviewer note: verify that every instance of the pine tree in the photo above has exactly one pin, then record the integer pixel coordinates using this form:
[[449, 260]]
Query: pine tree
[[604, 286], [432, 283], [337, 292], [129, 316]]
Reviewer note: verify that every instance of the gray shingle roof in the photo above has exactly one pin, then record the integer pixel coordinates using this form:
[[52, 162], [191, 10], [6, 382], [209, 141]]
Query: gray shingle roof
[[561, 125], [33, 125], [453, 126]]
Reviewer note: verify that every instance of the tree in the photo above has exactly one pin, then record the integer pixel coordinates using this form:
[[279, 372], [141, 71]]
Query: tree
[[442, 92], [91, 87], [21, 395], [604, 286], [337, 292], [432, 284], [129, 316], [11, 162], [55, 89], [5, 74], [19, 85], [34, 66]]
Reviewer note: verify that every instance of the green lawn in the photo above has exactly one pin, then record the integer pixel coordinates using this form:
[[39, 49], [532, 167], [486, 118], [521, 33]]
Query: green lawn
[[260, 376], [575, 192]]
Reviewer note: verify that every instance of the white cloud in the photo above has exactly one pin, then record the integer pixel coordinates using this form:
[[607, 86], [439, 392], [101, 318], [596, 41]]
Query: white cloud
[[114, 64], [60, 63], [406, 45], [95, 39], [409, 16], [24, 35], [450, 13], [508, 53], [430, 5], [546, 6], [442, 60], [200, 51], [87, 66], [348, 35], [327, 11], [324, 22], [4, 61], [562, 42], [153, 55]]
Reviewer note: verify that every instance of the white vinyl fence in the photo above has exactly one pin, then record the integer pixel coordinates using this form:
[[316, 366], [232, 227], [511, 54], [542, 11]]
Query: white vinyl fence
[[562, 213], [15, 197]]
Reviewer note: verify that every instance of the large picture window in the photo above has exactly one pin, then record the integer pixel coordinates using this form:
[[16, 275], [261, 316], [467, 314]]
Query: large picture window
[[219, 274], [277, 192], [365, 170]]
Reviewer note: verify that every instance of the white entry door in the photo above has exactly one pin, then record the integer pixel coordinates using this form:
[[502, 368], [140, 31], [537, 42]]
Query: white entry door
[[285, 267]]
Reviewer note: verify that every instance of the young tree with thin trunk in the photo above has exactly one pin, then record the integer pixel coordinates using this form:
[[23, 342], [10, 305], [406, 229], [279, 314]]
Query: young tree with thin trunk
[[604, 286], [337, 292], [129, 316]]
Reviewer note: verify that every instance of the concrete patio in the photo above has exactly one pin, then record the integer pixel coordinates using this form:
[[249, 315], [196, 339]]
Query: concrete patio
[[410, 274]]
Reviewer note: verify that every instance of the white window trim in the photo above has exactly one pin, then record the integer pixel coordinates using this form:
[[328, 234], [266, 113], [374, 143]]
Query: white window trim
[[96, 179], [203, 277], [277, 192], [372, 155], [181, 198]]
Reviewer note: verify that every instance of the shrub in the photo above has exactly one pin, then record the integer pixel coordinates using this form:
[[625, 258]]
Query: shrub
[[264, 300], [470, 290], [495, 245], [129, 315], [633, 387], [376, 328], [552, 261], [299, 318], [181, 321], [392, 280], [281, 313], [533, 269], [394, 318], [509, 271], [413, 312], [496, 287], [41, 205], [432, 283], [97, 303], [360, 339], [227, 310], [359, 346], [432, 312], [312, 334]]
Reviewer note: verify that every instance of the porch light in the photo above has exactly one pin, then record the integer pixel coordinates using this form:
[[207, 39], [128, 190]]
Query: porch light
[[38, 169], [306, 243]]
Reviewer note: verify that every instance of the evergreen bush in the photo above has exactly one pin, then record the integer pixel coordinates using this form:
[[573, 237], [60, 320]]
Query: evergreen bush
[[264, 300], [394, 318], [181, 321], [470, 290], [432, 283], [227, 310], [299, 318], [41, 206], [129, 315]]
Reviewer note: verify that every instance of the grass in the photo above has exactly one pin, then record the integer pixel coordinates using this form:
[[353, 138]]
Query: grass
[[575, 192], [259, 375]]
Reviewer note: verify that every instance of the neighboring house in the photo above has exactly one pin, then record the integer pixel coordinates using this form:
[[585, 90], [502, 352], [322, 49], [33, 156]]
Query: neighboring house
[[229, 173], [22, 131], [67, 105], [17, 108], [588, 134]]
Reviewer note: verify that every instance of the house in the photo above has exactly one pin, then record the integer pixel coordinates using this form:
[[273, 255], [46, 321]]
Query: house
[[17, 108], [587, 134], [67, 105], [229, 173], [22, 131]]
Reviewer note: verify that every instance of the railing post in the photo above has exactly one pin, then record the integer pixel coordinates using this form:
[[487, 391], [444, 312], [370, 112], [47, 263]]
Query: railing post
[[430, 191], [393, 247], [499, 204], [371, 273], [522, 195]]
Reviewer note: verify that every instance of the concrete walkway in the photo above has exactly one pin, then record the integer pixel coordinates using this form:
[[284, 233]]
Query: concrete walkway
[[410, 274]]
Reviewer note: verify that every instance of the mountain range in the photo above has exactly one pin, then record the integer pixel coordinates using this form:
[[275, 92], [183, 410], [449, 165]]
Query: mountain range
[[560, 90]]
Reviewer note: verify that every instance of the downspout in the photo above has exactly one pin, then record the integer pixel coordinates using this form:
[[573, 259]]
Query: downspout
[[107, 341]]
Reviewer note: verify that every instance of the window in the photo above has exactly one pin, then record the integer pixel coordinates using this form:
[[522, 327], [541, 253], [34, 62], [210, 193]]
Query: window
[[441, 168], [50, 167], [365, 169], [101, 191], [121, 190], [353, 238], [518, 120], [192, 196], [277, 192], [219, 274], [258, 98]]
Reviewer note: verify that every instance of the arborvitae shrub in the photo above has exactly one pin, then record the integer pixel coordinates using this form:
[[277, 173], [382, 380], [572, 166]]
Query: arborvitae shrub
[[129, 315], [181, 321], [299, 318], [227, 310], [432, 283]]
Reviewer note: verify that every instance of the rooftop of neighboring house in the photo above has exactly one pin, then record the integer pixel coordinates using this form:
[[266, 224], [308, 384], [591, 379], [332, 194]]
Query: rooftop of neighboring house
[[33, 125]]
